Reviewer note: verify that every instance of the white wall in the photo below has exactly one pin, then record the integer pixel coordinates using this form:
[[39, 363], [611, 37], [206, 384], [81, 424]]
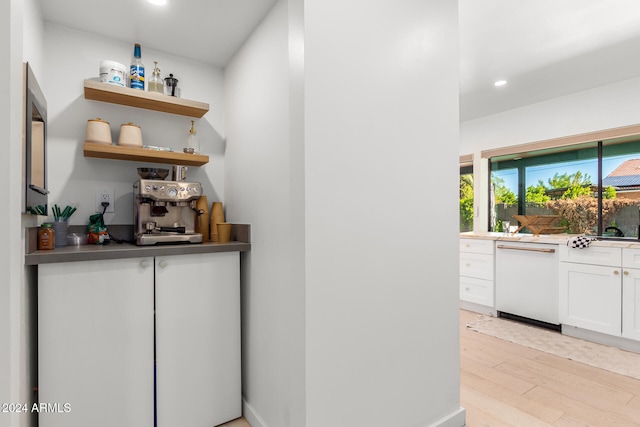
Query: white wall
[[263, 180], [381, 133], [10, 133], [380, 318], [605, 107], [72, 56], [20, 40]]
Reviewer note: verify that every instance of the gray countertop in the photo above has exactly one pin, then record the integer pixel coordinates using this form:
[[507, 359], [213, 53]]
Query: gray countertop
[[127, 250], [240, 242]]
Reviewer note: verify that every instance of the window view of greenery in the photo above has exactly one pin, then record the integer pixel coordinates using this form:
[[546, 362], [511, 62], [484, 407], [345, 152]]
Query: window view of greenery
[[565, 183], [466, 199]]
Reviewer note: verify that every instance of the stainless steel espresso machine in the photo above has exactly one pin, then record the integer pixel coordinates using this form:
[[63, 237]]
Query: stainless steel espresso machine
[[164, 211]]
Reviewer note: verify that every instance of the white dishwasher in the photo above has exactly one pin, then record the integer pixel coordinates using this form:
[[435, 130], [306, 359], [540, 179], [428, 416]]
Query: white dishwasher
[[527, 277]]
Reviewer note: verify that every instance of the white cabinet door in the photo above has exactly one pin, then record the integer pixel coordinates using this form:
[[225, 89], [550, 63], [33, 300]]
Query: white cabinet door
[[95, 343], [198, 339], [477, 291], [631, 304], [590, 297]]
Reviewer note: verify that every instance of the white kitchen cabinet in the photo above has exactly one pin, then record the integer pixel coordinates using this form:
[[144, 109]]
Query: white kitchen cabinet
[[198, 339], [477, 271], [602, 298], [631, 303], [631, 294], [590, 297], [95, 343]]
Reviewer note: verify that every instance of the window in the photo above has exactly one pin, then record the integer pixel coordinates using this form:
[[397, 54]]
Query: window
[[466, 198], [594, 187]]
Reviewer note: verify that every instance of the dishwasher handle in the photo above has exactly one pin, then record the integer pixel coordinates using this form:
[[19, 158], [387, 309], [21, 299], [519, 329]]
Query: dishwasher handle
[[523, 248]]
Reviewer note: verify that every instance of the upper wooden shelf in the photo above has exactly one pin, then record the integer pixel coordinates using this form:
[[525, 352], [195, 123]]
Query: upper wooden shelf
[[118, 152], [105, 92]]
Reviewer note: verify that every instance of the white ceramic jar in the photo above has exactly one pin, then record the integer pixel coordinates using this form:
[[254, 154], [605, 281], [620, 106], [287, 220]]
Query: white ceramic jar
[[98, 131], [130, 135]]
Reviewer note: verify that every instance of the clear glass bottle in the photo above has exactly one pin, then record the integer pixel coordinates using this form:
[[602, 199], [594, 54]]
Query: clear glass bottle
[[155, 84], [192, 141], [136, 71]]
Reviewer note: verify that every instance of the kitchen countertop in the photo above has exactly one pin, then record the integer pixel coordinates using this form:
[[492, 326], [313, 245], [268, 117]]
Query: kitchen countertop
[[128, 250], [559, 239], [240, 242]]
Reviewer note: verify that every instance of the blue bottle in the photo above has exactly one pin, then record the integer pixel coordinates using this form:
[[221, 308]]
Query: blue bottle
[[136, 71]]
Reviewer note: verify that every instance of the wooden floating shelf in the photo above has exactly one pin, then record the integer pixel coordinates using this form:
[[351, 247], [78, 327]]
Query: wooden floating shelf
[[117, 152], [105, 92]]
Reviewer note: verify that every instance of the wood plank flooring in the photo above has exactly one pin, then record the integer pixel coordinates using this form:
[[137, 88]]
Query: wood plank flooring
[[509, 385], [505, 384], [240, 422]]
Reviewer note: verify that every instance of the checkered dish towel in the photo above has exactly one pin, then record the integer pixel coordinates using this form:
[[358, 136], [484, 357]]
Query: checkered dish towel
[[579, 242]]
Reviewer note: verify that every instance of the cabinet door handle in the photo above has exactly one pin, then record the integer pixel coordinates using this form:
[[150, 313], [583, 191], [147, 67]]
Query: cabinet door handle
[[162, 263], [616, 272], [626, 273], [144, 263]]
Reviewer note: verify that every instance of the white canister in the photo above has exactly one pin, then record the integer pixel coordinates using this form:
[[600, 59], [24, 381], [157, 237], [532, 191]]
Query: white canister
[[98, 131], [113, 72], [130, 135]]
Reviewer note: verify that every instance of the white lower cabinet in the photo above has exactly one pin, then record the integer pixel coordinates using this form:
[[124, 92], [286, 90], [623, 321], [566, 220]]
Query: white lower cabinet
[[590, 297], [601, 298], [198, 339], [96, 341], [631, 295], [477, 271]]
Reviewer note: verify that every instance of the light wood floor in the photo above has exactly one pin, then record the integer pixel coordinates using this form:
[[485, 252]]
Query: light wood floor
[[506, 384], [240, 422]]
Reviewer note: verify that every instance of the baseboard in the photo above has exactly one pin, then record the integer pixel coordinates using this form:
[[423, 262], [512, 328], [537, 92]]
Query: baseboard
[[455, 419], [600, 338], [251, 415], [477, 308]]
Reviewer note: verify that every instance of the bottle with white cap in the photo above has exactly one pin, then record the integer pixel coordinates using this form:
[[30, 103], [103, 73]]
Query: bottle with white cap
[[136, 71]]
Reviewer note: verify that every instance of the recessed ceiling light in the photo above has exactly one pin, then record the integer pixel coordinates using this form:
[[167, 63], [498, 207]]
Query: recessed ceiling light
[[500, 83], [158, 2]]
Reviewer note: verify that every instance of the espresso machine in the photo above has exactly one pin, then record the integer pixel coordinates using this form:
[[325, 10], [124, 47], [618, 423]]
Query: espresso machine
[[164, 211]]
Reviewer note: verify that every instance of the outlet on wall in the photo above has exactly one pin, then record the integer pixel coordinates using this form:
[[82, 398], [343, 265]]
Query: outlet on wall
[[104, 195]]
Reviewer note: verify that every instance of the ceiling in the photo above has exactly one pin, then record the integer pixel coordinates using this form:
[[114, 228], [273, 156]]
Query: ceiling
[[209, 31], [543, 48]]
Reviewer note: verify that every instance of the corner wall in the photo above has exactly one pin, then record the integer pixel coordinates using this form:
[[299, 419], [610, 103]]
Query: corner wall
[[381, 156], [349, 317], [70, 57], [264, 184]]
